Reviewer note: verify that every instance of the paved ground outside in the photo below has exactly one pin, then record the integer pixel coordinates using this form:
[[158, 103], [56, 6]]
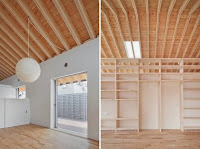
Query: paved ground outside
[[77, 126]]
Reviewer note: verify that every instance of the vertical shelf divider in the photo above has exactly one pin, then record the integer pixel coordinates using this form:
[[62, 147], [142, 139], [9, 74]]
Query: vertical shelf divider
[[116, 126], [160, 98], [182, 99], [138, 96]]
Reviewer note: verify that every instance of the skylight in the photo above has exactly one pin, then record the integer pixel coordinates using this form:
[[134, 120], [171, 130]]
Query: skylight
[[136, 48], [129, 49]]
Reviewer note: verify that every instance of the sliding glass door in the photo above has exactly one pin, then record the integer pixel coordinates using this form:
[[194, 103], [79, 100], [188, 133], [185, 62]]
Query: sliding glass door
[[71, 103]]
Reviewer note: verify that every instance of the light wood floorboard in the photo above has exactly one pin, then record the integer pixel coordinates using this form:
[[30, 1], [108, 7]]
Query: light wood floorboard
[[151, 139], [36, 137]]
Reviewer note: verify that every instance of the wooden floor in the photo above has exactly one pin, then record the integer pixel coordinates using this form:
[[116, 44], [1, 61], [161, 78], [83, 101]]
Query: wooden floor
[[169, 139], [36, 137]]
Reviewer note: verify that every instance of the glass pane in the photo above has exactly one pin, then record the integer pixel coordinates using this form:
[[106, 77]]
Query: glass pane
[[22, 92], [72, 103]]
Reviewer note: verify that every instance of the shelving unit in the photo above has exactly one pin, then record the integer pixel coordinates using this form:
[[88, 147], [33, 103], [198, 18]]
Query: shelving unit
[[191, 113], [135, 90]]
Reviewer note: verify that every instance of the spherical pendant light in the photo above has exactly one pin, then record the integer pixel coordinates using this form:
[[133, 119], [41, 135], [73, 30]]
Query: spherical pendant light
[[28, 70]]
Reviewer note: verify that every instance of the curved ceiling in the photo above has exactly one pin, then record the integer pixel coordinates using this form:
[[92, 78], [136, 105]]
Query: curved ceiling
[[165, 28]]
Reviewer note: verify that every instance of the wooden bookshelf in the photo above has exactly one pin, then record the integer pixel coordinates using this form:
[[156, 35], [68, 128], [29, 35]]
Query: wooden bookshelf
[[131, 86]]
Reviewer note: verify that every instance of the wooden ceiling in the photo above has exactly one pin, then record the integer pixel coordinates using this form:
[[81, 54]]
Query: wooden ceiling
[[71, 79], [65, 23], [165, 28]]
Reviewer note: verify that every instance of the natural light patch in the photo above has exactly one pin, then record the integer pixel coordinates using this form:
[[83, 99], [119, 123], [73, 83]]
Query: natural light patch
[[129, 50], [136, 48]]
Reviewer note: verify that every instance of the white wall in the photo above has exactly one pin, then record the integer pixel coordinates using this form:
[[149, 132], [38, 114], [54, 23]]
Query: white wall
[[79, 59], [17, 112], [170, 105], [14, 112], [7, 91], [2, 121], [149, 105]]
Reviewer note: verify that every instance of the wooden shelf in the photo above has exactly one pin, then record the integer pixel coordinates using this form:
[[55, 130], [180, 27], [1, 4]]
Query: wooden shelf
[[108, 99], [191, 127], [126, 80], [149, 80], [128, 99], [108, 128], [108, 81], [171, 80], [126, 90], [186, 99], [131, 128], [192, 89], [121, 119], [108, 90], [108, 119], [191, 118], [191, 108], [120, 73], [107, 73], [191, 80]]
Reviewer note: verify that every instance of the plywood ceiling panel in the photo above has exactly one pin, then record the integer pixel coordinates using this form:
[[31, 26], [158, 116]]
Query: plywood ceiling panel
[[66, 23]]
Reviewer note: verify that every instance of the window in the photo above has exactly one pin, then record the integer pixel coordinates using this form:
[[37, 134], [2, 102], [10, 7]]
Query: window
[[132, 46], [21, 92]]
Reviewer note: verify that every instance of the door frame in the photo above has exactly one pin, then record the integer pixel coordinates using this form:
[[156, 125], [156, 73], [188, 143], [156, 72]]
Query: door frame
[[55, 97]]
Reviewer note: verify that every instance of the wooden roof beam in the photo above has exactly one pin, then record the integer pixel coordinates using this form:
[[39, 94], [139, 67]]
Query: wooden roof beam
[[114, 11], [23, 24], [191, 36], [171, 6], [123, 7], [147, 14], [111, 32], [47, 15], [10, 63], [195, 6], [18, 42], [103, 52], [138, 24], [9, 50], [85, 18], [177, 23], [21, 35], [3, 76], [37, 24], [107, 44], [157, 25], [66, 18], [194, 48], [9, 42], [5, 71], [7, 55], [7, 67]]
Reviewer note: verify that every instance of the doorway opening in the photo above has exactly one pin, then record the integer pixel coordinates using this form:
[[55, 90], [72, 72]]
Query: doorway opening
[[71, 104]]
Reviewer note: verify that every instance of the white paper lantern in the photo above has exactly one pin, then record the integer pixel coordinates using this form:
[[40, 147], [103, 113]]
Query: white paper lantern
[[28, 70]]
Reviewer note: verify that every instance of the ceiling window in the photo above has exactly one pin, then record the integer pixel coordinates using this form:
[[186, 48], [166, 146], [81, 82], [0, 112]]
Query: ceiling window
[[136, 48], [129, 49]]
